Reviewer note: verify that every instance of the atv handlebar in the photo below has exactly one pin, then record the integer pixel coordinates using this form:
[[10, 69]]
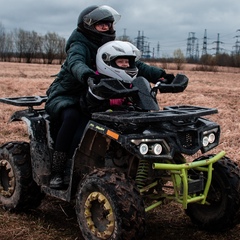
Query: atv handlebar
[[107, 88], [114, 88], [178, 84], [110, 88]]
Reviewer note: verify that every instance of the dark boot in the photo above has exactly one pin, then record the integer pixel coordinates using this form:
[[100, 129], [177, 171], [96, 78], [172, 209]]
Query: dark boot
[[58, 165], [67, 172]]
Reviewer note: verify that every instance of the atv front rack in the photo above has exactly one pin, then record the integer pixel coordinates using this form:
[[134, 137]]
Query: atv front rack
[[171, 113]]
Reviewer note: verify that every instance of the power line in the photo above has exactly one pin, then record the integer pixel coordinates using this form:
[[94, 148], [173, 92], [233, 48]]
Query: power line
[[192, 46], [204, 49], [218, 42]]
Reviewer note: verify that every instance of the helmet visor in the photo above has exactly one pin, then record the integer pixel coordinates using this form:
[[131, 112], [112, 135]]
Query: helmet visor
[[102, 13]]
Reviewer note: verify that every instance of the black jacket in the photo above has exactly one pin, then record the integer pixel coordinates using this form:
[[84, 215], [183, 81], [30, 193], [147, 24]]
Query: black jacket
[[71, 81]]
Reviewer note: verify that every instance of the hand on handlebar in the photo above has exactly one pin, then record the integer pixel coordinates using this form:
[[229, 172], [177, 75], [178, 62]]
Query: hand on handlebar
[[94, 78], [167, 78]]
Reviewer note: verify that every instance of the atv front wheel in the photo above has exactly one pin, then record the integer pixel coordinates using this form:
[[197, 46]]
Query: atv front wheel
[[18, 191], [223, 200], [109, 206]]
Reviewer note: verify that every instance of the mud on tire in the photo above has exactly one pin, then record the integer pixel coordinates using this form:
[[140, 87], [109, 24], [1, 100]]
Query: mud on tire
[[109, 206], [18, 191], [223, 198]]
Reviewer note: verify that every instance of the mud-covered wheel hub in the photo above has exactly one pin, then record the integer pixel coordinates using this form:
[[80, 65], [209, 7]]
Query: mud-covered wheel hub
[[7, 180], [99, 215], [109, 206], [18, 190]]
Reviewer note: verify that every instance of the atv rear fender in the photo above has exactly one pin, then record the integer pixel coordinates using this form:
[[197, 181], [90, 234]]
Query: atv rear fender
[[41, 142]]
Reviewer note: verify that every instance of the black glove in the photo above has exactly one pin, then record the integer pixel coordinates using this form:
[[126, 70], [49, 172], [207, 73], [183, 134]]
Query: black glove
[[96, 77], [169, 78], [95, 104]]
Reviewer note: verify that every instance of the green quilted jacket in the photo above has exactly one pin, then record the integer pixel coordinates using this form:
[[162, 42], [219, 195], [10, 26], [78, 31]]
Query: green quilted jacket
[[71, 81]]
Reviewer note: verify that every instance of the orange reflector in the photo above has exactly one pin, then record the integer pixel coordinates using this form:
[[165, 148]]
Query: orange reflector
[[112, 134]]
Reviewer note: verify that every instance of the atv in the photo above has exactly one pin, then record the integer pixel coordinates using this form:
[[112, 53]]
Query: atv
[[129, 161]]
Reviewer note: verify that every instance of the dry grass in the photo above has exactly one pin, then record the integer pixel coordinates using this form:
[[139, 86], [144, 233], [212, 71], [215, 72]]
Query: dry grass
[[56, 219]]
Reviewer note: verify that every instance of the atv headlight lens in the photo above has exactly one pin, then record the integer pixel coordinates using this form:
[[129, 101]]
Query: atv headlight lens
[[211, 137], [205, 141], [143, 148], [157, 149]]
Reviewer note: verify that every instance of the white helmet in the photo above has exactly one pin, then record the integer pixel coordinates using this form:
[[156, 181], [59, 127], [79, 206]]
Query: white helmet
[[107, 55]]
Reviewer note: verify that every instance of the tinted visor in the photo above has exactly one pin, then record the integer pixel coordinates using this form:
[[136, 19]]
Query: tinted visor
[[101, 13]]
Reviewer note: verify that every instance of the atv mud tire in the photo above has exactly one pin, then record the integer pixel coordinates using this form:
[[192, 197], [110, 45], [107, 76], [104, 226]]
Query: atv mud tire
[[18, 191], [109, 206], [223, 198]]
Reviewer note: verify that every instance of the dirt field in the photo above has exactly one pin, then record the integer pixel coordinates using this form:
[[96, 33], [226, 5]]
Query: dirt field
[[55, 219]]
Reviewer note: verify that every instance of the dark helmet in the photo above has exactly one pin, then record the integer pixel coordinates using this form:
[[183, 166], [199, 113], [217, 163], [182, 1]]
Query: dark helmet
[[85, 12], [94, 14]]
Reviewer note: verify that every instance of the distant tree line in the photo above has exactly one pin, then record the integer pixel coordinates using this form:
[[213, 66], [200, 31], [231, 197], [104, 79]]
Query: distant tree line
[[30, 47], [220, 59]]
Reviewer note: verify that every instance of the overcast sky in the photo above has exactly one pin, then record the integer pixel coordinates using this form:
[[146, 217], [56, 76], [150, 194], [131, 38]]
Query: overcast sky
[[165, 22]]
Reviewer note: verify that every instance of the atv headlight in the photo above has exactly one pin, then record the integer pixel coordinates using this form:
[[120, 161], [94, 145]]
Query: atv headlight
[[151, 147], [156, 149], [205, 141], [211, 137], [143, 148]]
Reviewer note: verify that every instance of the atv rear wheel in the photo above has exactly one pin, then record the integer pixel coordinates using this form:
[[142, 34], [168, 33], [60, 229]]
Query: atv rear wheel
[[109, 206], [223, 200], [18, 191]]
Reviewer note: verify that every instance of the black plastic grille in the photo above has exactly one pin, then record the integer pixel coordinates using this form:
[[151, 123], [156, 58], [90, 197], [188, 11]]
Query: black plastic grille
[[188, 140]]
